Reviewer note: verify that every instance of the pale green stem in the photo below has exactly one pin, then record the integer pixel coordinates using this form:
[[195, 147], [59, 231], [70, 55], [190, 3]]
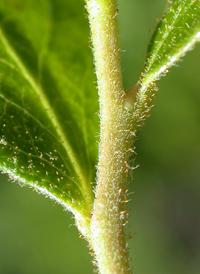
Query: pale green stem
[[109, 215]]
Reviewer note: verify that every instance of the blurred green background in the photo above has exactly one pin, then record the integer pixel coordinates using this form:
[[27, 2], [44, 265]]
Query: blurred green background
[[36, 236]]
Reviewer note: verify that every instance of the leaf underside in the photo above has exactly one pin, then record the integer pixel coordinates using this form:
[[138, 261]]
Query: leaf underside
[[176, 33], [48, 100]]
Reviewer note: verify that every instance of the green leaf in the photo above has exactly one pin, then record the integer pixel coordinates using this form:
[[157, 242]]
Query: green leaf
[[177, 32], [48, 100]]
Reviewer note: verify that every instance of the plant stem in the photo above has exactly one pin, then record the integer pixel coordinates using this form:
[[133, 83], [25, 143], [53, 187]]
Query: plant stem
[[109, 215]]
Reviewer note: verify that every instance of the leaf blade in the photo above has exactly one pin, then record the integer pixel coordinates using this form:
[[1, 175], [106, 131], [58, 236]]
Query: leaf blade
[[174, 36], [177, 32], [36, 105]]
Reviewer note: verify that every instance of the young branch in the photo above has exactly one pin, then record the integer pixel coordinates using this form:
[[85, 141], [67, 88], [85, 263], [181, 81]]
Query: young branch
[[109, 215]]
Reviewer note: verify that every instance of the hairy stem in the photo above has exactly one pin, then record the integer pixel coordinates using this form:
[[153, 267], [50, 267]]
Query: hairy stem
[[109, 215]]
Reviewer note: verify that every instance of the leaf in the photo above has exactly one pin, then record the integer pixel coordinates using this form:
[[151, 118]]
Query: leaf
[[177, 32], [48, 101]]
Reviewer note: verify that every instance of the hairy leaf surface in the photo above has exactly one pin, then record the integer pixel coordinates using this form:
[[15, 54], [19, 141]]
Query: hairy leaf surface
[[48, 100], [176, 33]]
